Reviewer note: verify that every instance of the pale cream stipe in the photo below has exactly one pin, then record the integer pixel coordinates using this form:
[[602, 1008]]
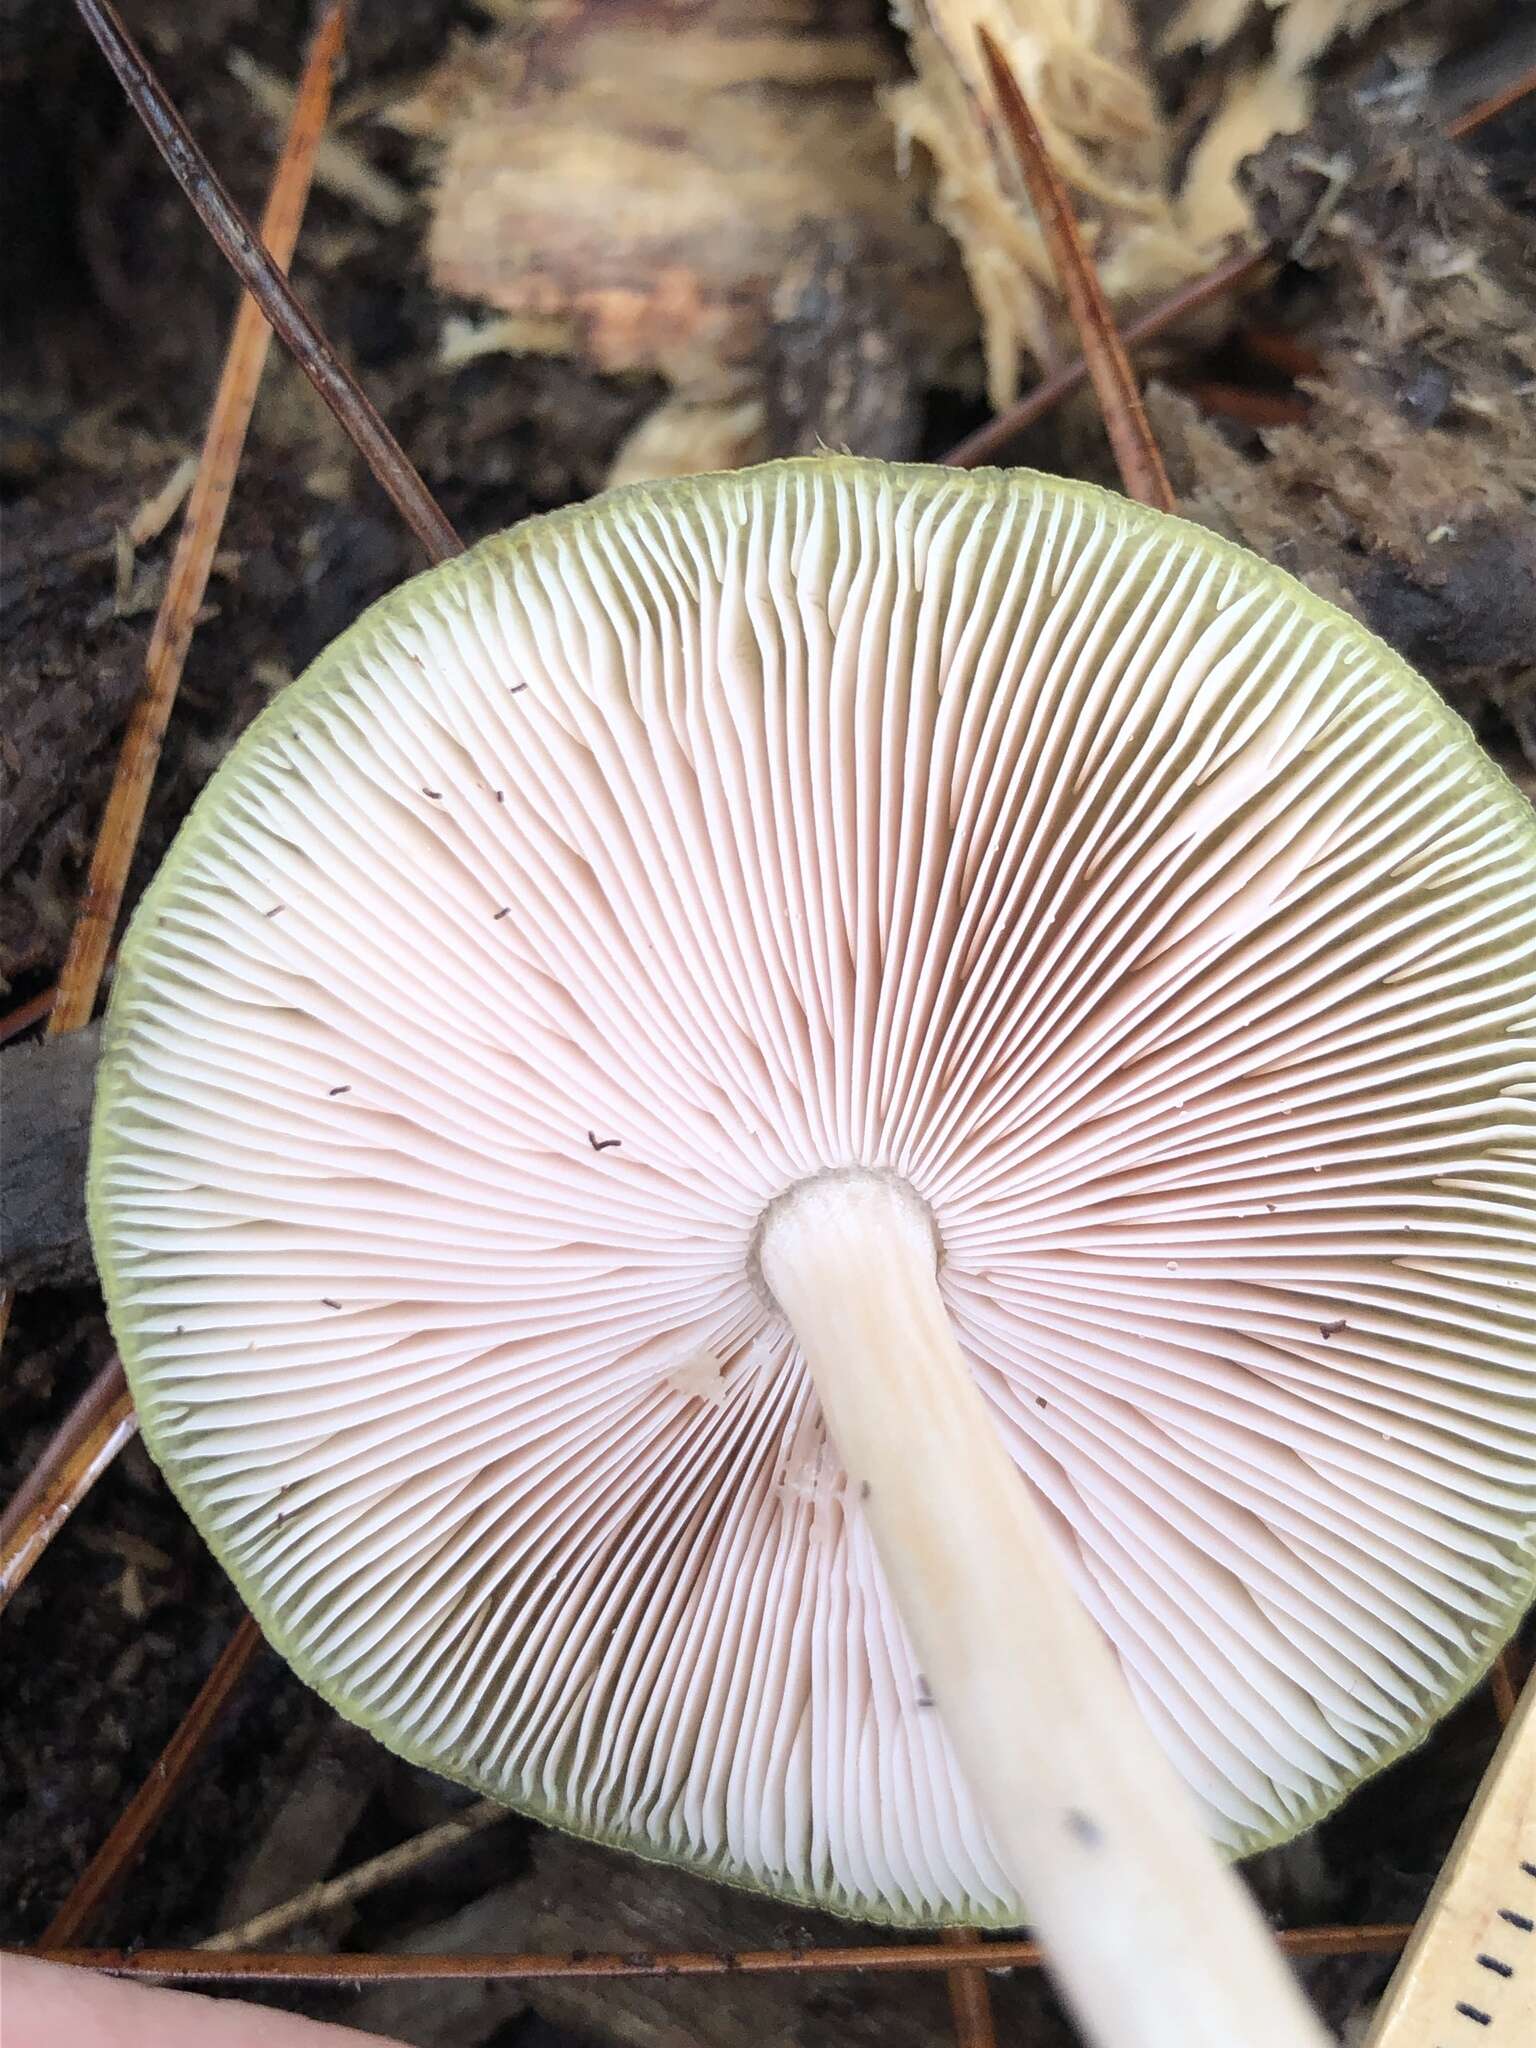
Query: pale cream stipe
[[1146, 919], [1153, 1941]]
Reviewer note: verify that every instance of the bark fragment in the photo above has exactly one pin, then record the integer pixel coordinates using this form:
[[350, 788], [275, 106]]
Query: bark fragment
[[47, 1096]]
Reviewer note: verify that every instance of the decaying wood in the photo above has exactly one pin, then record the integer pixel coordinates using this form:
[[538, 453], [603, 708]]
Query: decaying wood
[[843, 363], [1157, 186], [1407, 496], [635, 187], [1082, 68], [1256, 62], [1303, 29], [838, 367]]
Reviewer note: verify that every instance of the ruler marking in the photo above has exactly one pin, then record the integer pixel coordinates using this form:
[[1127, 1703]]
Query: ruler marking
[[1465, 1928]]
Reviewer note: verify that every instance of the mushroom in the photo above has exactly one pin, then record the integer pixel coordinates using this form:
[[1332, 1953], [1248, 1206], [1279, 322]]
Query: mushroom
[[827, 1172]]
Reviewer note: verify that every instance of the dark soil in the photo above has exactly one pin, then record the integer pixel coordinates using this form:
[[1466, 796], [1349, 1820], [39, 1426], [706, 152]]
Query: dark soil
[[121, 308]]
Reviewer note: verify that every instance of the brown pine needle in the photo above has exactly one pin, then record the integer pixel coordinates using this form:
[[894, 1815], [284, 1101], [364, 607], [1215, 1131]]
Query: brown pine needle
[[70, 1466], [86, 1442], [128, 1837], [264, 280], [1241, 402], [25, 1015], [970, 2002], [1241, 268], [1136, 452], [893, 1958], [120, 1851], [35, 1009], [80, 977], [993, 435], [1497, 103], [202, 527]]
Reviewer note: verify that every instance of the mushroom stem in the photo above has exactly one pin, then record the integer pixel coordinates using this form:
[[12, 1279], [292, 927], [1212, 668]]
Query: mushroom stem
[[1152, 1939]]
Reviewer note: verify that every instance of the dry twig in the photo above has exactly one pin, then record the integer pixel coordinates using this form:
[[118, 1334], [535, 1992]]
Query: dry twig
[[358, 1882]]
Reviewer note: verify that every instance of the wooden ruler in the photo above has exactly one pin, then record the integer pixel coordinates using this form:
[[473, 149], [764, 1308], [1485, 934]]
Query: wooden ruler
[[1468, 1977]]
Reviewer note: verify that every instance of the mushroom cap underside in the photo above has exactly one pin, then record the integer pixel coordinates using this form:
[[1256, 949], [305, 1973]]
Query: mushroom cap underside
[[1143, 914]]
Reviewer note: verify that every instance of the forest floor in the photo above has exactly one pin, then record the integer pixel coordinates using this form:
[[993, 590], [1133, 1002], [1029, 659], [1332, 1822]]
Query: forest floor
[[109, 371]]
